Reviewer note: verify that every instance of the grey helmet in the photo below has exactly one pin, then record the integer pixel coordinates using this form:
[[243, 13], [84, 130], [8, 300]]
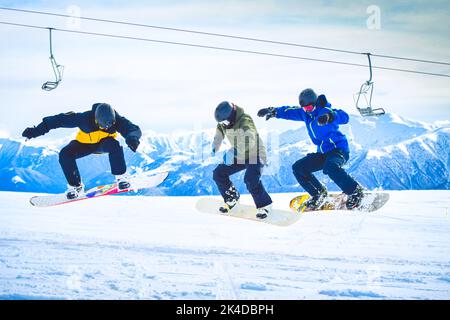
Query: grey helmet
[[105, 116], [223, 111], [307, 97]]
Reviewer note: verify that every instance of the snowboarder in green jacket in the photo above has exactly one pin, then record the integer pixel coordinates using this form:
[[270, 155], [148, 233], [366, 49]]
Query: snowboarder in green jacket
[[247, 153]]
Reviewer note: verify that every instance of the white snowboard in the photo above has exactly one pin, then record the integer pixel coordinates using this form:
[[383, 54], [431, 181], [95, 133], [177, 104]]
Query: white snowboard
[[137, 182], [276, 217]]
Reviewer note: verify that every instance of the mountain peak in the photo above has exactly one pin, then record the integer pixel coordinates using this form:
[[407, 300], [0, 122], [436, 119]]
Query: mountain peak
[[387, 152]]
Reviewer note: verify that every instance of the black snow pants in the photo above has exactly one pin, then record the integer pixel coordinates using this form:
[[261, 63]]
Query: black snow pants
[[75, 150]]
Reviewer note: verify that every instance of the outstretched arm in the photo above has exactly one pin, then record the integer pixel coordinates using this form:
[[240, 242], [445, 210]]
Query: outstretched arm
[[62, 120], [290, 113]]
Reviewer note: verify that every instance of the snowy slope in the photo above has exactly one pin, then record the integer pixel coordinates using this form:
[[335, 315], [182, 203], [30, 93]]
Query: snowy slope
[[388, 152], [161, 248]]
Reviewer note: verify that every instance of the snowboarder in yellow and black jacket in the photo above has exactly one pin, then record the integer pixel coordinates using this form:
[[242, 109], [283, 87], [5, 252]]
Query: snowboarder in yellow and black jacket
[[97, 133], [247, 153]]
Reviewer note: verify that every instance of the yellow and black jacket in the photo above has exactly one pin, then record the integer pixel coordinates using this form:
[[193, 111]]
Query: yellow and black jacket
[[93, 137], [89, 132]]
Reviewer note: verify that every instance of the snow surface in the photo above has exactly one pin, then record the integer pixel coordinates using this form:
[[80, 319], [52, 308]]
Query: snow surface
[[161, 248]]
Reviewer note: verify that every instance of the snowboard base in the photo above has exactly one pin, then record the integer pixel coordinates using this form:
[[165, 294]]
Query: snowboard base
[[371, 201], [276, 217], [137, 183]]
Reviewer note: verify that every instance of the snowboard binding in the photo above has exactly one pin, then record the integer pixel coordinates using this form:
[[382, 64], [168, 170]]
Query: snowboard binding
[[231, 199]]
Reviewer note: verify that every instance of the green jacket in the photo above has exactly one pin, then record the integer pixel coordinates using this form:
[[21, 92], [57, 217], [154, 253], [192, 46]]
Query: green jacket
[[244, 139]]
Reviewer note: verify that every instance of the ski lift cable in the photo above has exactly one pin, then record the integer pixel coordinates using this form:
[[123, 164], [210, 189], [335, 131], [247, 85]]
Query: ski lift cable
[[226, 49], [223, 35]]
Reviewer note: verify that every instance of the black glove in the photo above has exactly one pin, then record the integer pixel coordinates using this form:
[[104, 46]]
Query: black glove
[[33, 132], [29, 133], [322, 101], [325, 119], [268, 112], [132, 142]]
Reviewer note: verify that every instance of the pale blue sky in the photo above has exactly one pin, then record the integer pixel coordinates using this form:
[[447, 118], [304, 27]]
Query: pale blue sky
[[166, 88]]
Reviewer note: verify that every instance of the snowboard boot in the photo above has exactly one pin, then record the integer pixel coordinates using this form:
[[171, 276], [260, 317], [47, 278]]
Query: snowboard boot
[[75, 192], [354, 200], [122, 181], [231, 198], [262, 213], [316, 201]]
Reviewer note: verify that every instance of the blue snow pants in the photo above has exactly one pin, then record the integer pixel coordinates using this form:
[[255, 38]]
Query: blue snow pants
[[75, 150], [252, 179], [331, 163]]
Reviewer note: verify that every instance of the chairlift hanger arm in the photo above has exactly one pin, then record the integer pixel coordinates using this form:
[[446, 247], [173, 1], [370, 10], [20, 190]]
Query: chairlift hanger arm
[[370, 67]]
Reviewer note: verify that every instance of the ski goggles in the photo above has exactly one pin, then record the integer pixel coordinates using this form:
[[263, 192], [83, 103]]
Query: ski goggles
[[103, 127], [308, 108], [225, 123]]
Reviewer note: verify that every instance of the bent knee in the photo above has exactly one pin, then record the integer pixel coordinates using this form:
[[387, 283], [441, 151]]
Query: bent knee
[[299, 167], [65, 153], [217, 173], [331, 168]]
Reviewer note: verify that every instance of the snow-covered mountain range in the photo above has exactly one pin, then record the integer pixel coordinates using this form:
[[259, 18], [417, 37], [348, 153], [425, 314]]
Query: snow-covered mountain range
[[388, 152]]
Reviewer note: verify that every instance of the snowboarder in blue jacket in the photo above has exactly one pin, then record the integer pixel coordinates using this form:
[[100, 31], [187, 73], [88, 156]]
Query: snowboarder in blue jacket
[[322, 123], [97, 133]]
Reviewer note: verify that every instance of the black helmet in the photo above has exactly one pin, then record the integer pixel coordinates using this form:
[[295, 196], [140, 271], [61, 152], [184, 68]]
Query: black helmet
[[105, 116], [224, 111], [307, 97]]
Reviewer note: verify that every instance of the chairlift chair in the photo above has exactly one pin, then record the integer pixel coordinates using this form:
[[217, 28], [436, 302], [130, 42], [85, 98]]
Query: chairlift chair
[[58, 70], [367, 90]]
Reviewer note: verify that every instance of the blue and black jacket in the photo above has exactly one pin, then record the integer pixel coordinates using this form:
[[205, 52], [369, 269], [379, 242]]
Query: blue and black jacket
[[89, 132], [326, 137]]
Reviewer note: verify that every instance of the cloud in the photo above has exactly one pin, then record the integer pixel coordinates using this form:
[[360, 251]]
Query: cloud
[[167, 87], [4, 133]]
